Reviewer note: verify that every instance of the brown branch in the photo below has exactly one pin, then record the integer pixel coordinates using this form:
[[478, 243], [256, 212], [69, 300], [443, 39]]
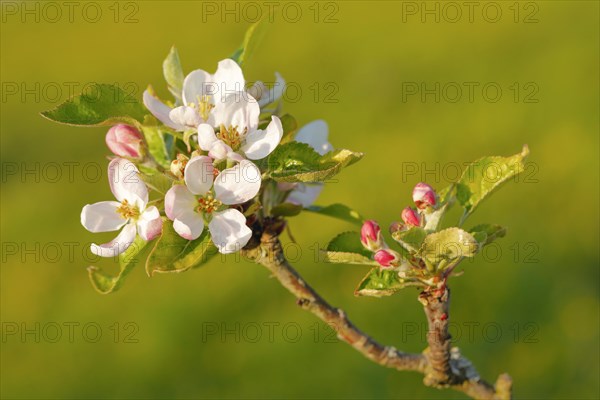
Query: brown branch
[[442, 365]]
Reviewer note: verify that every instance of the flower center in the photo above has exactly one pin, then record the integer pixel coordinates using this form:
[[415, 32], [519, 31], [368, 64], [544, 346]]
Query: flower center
[[231, 137], [204, 106], [128, 211], [207, 204]]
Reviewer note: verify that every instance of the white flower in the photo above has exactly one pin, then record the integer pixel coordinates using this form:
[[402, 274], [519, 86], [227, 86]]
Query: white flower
[[130, 212], [200, 199], [314, 134], [201, 93], [237, 119], [266, 96]]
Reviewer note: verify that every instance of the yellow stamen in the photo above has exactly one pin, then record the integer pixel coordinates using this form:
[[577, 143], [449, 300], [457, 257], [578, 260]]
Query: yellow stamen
[[231, 136], [208, 204], [128, 211]]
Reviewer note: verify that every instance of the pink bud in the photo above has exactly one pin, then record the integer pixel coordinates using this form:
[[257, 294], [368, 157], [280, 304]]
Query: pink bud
[[386, 257], [410, 217], [423, 195], [124, 141], [370, 235]]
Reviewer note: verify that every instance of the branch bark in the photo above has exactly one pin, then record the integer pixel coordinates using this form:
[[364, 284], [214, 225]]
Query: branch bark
[[442, 365]]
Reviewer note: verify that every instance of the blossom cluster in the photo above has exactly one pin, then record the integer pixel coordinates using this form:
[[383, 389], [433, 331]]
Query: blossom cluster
[[425, 200], [211, 184]]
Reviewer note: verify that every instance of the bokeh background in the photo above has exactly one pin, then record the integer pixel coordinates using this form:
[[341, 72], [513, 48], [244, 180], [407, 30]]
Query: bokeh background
[[530, 308]]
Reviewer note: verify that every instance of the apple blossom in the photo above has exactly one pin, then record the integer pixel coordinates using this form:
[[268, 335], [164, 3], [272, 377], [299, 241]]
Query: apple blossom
[[265, 95], [204, 198], [410, 217], [201, 93], [130, 212], [423, 195], [125, 141], [237, 118], [387, 258], [370, 235], [178, 165]]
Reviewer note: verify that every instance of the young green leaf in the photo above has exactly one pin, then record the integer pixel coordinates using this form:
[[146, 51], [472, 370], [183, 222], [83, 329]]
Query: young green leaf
[[487, 233], [411, 239], [286, 210], [173, 73], [382, 282], [252, 39], [172, 253], [103, 105], [298, 162], [105, 283], [157, 181], [445, 247], [339, 211], [446, 200], [290, 127], [156, 145], [485, 175], [346, 248]]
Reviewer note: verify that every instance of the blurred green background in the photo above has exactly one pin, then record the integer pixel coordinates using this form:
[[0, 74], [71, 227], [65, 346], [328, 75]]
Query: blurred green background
[[533, 305]]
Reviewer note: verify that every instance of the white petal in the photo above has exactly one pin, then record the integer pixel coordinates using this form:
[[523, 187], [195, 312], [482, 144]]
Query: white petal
[[305, 194], [198, 175], [189, 225], [186, 116], [126, 184], [219, 151], [228, 231], [160, 110], [206, 136], [260, 143], [315, 134], [238, 184], [229, 78], [197, 84], [237, 110], [150, 223], [274, 93], [102, 217], [179, 200], [118, 244]]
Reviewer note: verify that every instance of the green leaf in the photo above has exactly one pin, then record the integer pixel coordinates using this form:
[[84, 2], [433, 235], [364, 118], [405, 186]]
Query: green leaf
[[156, 145], [173, 73], [485, 175], [102, 105], [487, 233], [298, 162], [157, 181], [286, 210], [381, 282], [172, 253], [290, 127], [339, 211], [446, 199], [105, 283], [411, 239], [252, 39], [346, 248], [448, 246]]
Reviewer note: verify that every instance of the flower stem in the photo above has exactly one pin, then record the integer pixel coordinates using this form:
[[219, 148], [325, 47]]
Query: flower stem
[[442, 365]]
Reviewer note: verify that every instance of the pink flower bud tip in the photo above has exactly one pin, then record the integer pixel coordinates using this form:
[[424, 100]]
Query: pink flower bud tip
[[370, 235], [386, 258], [410, 217], [124, 141], [423, 195]]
